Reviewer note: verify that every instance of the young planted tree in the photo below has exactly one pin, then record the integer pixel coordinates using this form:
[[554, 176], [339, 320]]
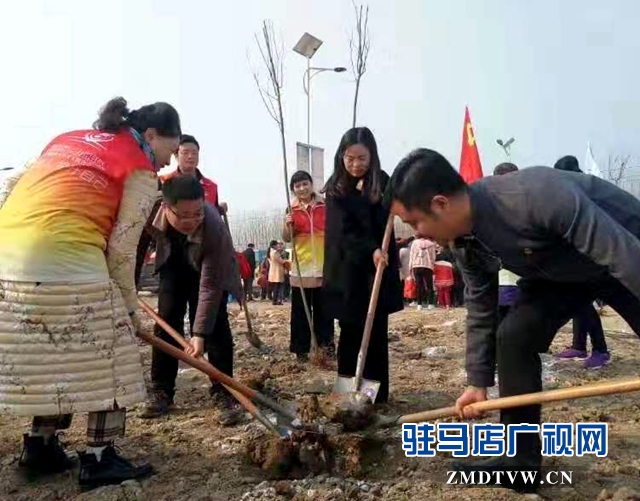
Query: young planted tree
[[616, 168], [359, 45], [270, 89]]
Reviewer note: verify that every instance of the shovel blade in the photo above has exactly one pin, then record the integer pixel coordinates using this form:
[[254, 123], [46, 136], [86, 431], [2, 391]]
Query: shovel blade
[[367, 387]]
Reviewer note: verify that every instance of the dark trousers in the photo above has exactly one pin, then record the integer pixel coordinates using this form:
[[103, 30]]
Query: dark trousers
[[248, 288], [424, 281], [588, 322], [277, 291], [458, 288], [503, 311], [179, 287], [376, 367], [528, 330], [300, 343]]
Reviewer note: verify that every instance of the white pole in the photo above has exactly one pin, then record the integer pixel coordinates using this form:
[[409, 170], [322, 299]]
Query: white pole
[[309, 115]]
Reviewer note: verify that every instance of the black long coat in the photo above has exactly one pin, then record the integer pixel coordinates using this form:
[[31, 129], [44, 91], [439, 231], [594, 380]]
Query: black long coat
[[354, 230]]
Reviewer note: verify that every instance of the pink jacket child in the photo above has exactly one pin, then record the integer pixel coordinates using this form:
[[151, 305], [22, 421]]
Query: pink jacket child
[[421, 262], [423, 254]]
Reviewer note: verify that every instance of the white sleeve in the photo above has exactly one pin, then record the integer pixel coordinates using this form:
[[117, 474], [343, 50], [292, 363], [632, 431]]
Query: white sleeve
[[139, 195], [8, 182]]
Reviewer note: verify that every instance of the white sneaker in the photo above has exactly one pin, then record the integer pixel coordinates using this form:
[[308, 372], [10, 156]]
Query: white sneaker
[[413, 304], [419, 307], [431, 307]]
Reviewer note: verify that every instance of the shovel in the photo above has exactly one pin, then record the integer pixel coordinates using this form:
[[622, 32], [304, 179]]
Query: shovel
[[244, 401], [206, 367], [252, 337], [589, 390], [357, 383]]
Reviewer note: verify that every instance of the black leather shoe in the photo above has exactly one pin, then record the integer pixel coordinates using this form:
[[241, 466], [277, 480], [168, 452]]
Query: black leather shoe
[[111, 469], [39, 457], [158, 405], [511, 473]]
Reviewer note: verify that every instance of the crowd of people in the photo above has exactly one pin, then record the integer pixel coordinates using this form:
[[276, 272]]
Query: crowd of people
[[531, 249]]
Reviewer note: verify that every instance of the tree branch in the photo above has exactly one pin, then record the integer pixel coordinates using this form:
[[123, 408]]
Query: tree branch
[[359, 46]]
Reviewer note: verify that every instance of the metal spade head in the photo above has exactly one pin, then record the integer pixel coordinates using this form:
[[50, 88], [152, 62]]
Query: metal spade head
[[367, 387]]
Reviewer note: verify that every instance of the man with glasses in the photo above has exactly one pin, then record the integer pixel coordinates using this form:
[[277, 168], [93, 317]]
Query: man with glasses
[[197, 266]]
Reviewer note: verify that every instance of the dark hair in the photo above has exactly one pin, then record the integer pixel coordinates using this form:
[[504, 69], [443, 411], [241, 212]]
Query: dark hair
[[160, 116], [299, 177], [189, 139], [505, 168], [568, 163], [181, 187], [251, 246], [422, 175], [340, 181], [273, 243]]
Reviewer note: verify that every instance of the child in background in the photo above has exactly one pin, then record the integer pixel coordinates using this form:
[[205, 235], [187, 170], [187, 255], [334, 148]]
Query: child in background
[[443, 279], [423, 255]]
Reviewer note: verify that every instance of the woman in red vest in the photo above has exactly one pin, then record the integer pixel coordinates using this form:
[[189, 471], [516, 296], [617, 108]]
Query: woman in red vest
[[68, 306]]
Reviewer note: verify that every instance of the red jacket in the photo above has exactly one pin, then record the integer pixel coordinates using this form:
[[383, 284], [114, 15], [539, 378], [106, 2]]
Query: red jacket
[[210, 190]]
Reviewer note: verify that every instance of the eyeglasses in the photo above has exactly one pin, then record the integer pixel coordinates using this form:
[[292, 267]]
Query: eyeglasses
[[187, 217]]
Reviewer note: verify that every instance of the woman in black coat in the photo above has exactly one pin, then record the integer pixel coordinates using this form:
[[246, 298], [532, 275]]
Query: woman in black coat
[[355, 224]]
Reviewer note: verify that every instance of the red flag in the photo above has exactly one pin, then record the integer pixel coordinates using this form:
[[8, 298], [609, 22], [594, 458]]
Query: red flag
[[470, 168]]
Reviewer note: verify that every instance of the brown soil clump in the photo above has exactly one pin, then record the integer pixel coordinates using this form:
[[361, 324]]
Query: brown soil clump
[[310, 410], [257, 381], [294, 457], [354, 411]]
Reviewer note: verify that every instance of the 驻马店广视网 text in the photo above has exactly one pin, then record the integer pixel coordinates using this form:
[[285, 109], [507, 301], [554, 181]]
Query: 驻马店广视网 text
[[495, 439]]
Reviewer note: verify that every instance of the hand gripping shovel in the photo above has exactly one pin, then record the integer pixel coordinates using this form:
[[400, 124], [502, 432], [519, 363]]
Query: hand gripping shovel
[[589, 390], [367, 387], [243, 394]]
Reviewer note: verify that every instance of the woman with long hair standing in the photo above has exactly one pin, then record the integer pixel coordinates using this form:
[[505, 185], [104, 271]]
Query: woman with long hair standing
[[355, 224], [68, 302]]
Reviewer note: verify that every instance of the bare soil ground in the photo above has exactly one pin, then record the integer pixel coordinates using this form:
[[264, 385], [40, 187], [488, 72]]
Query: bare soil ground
[[197, 459]]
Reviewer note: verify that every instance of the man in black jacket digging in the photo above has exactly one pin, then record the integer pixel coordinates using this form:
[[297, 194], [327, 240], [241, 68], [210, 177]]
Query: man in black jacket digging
[[571, 237]]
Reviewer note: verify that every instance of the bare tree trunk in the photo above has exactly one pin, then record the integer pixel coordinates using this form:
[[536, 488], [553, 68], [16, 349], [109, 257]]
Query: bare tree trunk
[[359, 46], [355, 102], [272, 99]]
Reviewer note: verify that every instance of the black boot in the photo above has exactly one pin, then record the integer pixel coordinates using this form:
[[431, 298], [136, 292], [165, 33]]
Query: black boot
[[518, 479], [111, 469], [231, 412], [158, 405], [39, 457]]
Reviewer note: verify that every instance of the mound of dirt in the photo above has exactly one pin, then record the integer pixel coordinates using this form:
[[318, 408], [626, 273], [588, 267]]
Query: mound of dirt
[[354, 411], [294, 457]]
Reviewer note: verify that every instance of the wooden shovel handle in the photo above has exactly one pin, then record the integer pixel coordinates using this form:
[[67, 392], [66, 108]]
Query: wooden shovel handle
[[244, 401], [543, 397], [373, 303], [206, 367]]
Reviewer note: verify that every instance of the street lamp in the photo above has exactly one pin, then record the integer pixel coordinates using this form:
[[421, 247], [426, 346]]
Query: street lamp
[[506, 146], [307, 46]]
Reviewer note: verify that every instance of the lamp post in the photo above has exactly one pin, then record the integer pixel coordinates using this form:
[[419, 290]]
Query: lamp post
[[307, 46], [306, 83]]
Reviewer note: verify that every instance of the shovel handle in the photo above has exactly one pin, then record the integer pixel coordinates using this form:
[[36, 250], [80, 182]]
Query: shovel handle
[[244, 401], [205, 366], [543, 397], [253, 339], [373, 303]]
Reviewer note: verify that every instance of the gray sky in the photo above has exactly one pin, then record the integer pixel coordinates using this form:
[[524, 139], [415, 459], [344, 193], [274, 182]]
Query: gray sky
[[554, 74]]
